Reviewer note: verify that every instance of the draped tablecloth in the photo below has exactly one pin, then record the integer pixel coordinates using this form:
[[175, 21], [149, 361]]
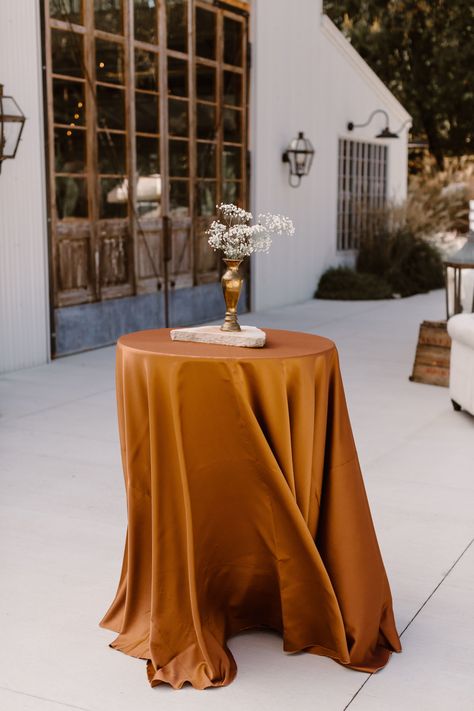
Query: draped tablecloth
[[246, 508]]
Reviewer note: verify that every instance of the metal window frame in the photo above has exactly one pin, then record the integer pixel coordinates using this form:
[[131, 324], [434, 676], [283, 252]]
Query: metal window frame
[[362, 188]]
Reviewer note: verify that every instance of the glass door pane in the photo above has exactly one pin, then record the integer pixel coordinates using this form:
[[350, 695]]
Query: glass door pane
[[108, 16], [177, 25], [206, 34], [145, 20], [67, 10]]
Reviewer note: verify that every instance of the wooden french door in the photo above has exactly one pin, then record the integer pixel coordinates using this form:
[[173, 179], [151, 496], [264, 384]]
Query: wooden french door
[[147, 132]]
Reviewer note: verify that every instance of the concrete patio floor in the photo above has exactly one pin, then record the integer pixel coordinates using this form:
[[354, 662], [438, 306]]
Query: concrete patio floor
[[63, 518]]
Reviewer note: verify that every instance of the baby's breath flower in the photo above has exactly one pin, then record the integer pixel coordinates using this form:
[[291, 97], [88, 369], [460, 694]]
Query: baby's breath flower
[[237, 239]]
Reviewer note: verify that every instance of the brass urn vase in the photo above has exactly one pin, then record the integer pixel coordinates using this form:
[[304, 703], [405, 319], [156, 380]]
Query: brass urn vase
[[231, 286]]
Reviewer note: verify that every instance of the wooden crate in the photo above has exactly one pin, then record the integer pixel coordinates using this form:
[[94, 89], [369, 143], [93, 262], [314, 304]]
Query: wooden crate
[[432, 354]]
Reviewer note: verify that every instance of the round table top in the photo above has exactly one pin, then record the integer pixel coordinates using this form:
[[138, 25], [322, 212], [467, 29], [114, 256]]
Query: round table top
[[279, 344]]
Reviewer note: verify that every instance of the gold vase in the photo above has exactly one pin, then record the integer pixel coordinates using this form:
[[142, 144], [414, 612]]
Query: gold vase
[[231, 286]]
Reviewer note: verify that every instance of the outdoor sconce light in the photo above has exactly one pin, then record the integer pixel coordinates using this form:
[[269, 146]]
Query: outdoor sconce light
[[299, 155], [12, 121], [384, 133]]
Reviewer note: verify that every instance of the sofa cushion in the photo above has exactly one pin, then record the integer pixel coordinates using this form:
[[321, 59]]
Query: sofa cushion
[[461, 328]]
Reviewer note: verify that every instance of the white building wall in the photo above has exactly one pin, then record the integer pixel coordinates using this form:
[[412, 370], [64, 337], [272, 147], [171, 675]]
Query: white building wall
[[307, 77], [24, 328]]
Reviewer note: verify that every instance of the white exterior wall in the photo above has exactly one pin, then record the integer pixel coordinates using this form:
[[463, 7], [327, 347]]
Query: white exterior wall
[[24, 322], [307, 77]]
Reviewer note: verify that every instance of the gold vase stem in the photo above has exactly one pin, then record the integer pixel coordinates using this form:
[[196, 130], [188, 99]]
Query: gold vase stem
[[231, 286]]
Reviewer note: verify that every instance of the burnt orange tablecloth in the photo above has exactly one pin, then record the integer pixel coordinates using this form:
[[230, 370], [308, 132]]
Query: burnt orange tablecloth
[[246, 508]]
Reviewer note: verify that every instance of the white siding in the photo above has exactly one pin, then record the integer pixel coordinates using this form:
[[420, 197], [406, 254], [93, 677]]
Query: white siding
[[24, 330], [306, 77]]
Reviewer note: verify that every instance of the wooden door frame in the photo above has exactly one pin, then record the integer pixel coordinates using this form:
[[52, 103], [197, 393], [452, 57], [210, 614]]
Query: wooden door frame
[[237, 8]]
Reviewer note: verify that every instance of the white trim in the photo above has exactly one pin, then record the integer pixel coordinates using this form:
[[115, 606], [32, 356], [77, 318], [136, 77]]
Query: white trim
[[338, 40]]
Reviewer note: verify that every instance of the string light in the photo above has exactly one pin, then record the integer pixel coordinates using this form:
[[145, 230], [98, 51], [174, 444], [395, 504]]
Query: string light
[[80, 104], [68, 133], [76, 116], [101, 65]]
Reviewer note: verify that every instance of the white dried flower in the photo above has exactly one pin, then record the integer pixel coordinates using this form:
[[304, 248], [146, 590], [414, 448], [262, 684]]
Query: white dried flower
[[237, 239], [276, 224], [233, 214]]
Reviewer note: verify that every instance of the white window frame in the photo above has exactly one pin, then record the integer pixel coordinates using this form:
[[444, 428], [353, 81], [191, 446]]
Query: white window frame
[[362, 188]]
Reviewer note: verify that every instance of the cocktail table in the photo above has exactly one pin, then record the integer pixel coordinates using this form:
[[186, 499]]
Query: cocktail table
[[246, 508]]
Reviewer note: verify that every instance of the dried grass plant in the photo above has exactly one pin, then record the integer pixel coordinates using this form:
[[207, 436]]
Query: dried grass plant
[[437, 202]]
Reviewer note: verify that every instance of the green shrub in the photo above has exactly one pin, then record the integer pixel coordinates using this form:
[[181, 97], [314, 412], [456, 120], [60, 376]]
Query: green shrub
[[345, 284], [410, 264]]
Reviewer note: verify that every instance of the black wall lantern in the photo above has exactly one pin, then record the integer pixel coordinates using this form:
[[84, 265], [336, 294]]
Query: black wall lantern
[[12, 121], [299, 156], [384, 133], [464, 259]]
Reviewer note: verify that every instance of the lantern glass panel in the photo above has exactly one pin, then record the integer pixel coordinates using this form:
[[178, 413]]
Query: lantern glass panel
[[10, 137], [300, 151], [300, 156], [294, 144], [292, 161], [300, 163]]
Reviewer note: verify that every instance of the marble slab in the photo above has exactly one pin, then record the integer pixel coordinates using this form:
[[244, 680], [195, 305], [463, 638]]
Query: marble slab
[[248, 337]]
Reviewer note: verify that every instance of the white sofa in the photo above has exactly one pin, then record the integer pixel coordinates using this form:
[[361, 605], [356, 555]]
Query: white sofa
[[461, 376]]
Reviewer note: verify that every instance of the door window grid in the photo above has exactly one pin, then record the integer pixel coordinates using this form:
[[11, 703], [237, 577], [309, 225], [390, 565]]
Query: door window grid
[[362, 189], [179, 115], [69, 130], [94, 179], [109, 70]]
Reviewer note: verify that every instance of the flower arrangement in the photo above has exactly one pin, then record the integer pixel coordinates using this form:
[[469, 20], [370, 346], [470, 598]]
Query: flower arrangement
[[233, 234]]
